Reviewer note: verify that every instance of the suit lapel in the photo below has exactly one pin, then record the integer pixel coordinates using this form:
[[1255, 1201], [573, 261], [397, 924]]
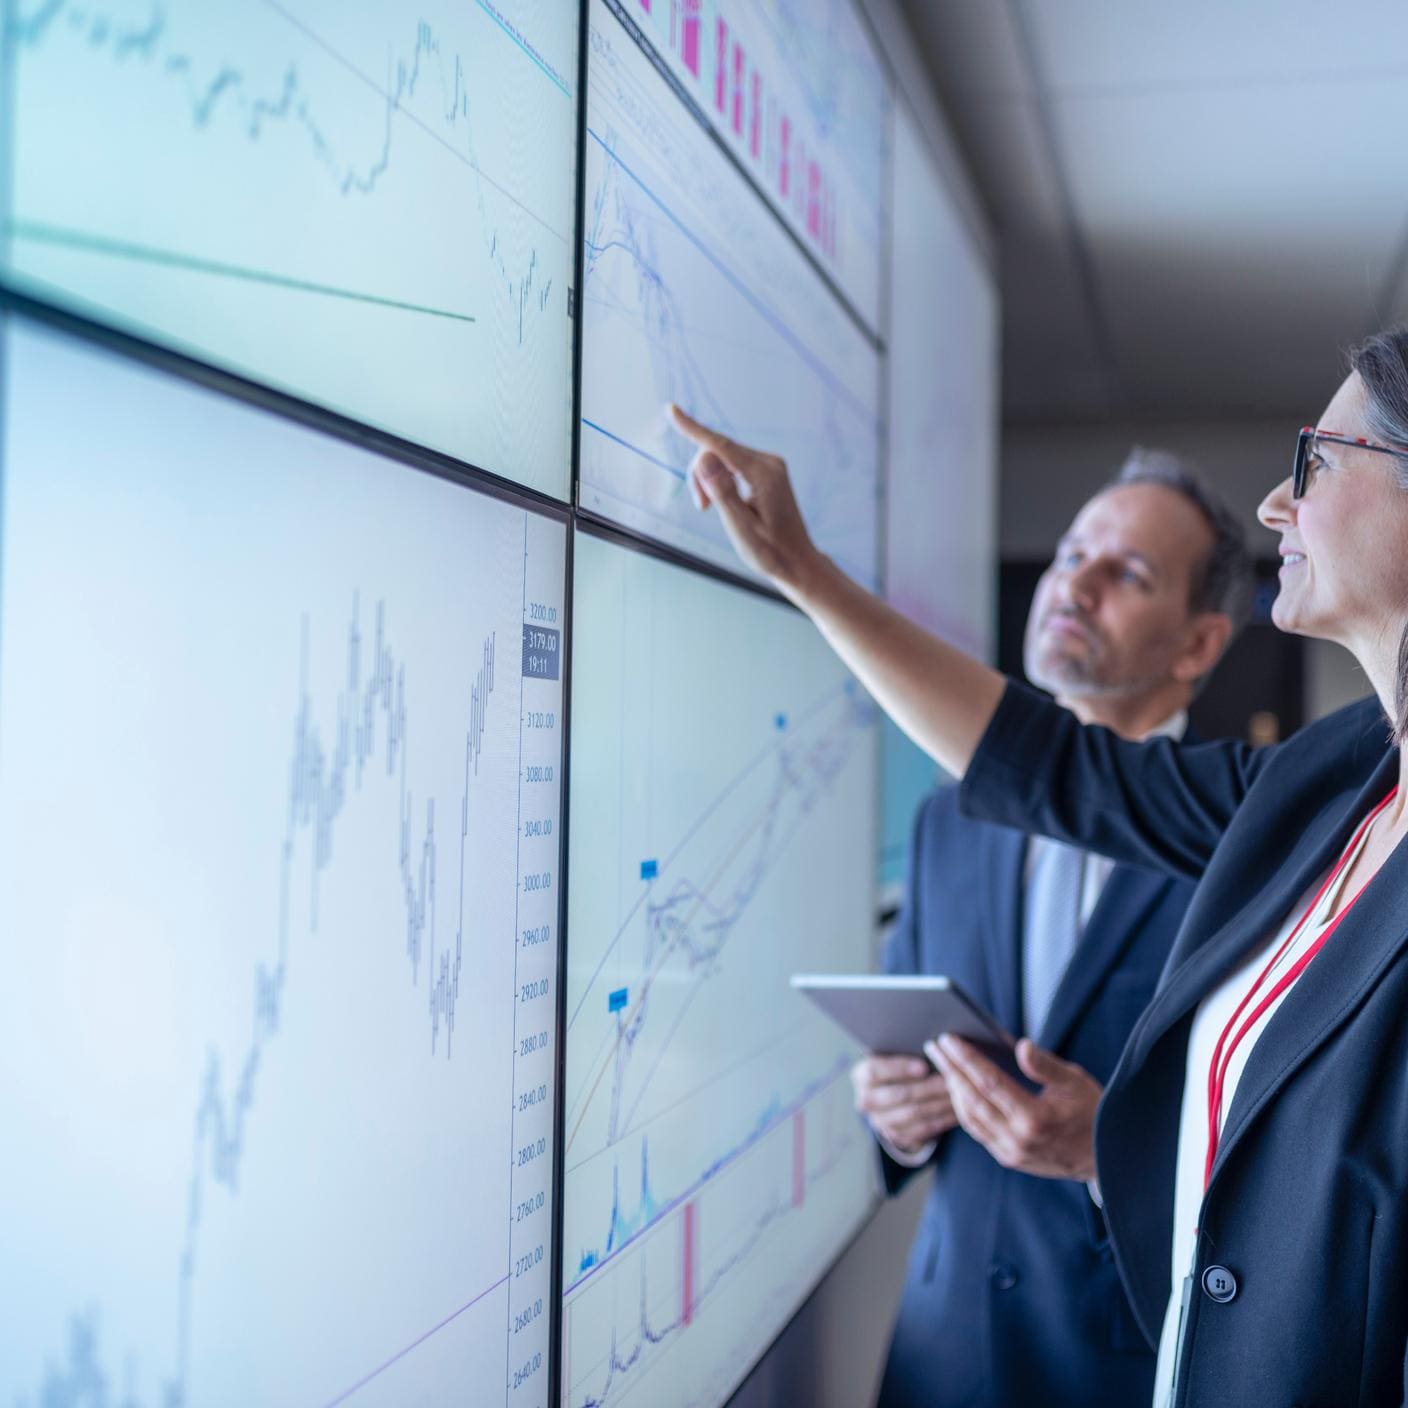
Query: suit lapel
[[1196, 970], [1194, 973], [1003, 951], [1124, 903], [1367, 940]]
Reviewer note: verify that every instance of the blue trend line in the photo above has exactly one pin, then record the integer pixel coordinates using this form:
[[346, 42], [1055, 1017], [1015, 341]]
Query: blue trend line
[[636, 450], [818, 368]]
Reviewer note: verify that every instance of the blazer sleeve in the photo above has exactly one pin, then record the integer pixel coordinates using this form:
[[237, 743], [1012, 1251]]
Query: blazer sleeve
[[901, 956], [1160, 805]]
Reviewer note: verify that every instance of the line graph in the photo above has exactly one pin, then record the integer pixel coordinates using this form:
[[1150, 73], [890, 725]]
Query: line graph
[[731, 766], [319, 793], [692, 293], [623, 1228], [686, 1291], [300, 941], [418, 166], [689, 920]]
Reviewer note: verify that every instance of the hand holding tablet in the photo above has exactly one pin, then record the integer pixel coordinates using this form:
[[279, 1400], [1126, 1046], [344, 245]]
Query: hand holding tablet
[[896, 1015]]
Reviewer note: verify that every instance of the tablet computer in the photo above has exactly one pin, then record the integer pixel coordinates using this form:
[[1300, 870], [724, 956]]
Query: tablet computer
[[895, 1016]]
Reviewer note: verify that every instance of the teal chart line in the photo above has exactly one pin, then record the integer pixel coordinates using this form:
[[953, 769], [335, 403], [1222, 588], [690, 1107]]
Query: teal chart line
[[518, 38], [369, 736], [125, 249]]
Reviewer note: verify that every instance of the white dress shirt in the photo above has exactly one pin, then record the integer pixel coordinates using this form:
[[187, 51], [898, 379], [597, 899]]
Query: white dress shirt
[[1212, 1017]]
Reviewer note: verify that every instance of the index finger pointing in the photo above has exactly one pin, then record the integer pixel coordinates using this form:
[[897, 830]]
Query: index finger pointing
[[700, 434]]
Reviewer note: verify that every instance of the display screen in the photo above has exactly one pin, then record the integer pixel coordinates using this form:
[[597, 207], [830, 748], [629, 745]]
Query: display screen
[[797, 90], [279, 801], [722, 794], [695, 292], [941, 485], [941, 481], [368, 205], [907, 776]]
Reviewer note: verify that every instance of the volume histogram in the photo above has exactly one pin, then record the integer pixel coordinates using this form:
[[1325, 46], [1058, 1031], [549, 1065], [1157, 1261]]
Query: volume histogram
[[279, 813], [694, 293], [369, 206], [797, 90], [713, 1166]]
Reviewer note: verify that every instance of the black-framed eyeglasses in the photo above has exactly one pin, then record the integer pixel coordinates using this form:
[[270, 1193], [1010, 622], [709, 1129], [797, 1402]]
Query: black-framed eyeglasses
[[1309, 434]]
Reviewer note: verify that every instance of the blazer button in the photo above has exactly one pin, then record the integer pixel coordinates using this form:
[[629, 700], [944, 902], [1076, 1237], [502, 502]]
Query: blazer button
[[1220, 1284], [1004, 1277]]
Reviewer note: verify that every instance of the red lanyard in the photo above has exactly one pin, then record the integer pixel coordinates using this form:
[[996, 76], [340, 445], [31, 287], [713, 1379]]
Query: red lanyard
[[1223, 1053]]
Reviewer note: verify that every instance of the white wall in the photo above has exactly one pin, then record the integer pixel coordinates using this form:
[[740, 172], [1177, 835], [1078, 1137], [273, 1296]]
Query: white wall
[[1048, 471]]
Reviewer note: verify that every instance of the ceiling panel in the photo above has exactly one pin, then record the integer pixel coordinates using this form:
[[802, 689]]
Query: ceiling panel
[[1218, 260], [1200, 43], [1197, 206]]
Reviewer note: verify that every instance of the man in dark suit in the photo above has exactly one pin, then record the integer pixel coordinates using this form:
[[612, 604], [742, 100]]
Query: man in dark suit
[[1012, 1298]]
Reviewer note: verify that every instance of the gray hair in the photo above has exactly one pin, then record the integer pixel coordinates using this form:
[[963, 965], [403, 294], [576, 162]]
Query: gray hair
[[1223, 580], [1382, 364]]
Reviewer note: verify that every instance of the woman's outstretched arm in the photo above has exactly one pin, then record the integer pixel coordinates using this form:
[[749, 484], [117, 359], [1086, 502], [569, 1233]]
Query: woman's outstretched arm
[[940, 696]]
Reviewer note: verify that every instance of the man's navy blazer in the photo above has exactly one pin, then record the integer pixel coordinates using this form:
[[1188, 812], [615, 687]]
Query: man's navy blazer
[[1012, 1298]]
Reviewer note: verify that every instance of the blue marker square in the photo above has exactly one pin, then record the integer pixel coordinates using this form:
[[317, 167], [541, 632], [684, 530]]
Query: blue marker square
[[616, 1001], [649, 869], [780, 721]]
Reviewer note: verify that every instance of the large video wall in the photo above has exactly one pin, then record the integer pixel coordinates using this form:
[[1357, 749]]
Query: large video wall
[[410, 810]]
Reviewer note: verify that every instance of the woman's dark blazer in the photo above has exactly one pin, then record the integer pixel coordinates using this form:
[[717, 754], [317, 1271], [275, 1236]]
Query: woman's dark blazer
[[1308, 1205]]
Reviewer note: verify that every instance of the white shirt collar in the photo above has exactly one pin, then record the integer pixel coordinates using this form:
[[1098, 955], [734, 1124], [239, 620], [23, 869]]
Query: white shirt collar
[[1174, 727]]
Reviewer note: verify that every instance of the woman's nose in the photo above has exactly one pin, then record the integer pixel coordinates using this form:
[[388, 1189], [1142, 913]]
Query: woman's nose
[[1277, 509]]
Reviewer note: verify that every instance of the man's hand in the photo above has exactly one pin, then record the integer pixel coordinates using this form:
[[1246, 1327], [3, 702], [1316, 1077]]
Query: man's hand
[[754, 498], [904, 1100], [1051, 1134]]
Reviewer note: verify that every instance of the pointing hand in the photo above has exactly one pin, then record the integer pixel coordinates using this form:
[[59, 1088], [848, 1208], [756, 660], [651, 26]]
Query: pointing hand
[[754, 498]]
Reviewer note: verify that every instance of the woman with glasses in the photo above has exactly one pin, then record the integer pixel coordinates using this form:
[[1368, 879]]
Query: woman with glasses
[[1252, 1146]]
